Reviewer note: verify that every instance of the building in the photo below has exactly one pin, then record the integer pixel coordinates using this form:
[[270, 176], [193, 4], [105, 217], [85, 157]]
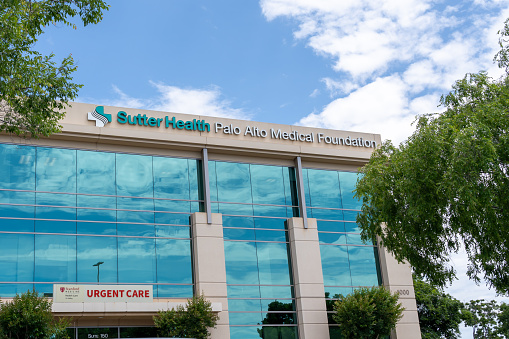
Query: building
[[258, 217]]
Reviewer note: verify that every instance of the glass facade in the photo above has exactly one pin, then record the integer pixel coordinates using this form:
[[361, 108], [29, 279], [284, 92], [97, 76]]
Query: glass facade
[[347, 262], [256, 201], [62, 211]]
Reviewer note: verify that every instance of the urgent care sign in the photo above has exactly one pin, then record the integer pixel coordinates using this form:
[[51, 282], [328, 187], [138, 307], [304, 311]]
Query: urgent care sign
[[102, 293]]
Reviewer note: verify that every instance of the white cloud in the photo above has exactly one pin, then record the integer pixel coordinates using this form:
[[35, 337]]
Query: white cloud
[[394, 57], [315, 93], [174, 99], [382, 106]]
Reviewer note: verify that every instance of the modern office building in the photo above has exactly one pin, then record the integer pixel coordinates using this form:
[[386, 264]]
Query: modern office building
[[127, 212]]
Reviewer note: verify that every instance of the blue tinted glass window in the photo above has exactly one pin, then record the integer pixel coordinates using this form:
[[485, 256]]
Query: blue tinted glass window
[[134, 175], [363, 266], [55, 258], [171, 178], [136, 260], [174, 291], [174, 261], [16, 258], [92, 250], [96, 228], [268, 185], [273, 263], [96, 172], [233, 182], [18, 167], [96, 193], [335, 265], [348, 181], [173, 231], [243, 291], [324, 188], [249, 305], [194, 179], [239, 234], [56, 170], [241, 262]]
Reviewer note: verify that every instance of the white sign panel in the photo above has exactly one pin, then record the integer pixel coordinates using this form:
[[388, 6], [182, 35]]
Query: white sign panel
[[102, 293]]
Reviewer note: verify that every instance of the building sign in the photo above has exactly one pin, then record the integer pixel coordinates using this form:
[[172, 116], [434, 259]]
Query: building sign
[[102, 293], [195, 125]]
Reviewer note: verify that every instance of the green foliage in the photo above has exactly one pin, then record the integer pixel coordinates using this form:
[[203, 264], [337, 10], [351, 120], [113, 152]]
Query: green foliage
[[483, 318], [503, 320], [367, 313], [191, 321], [29, 316], [446, 187], [440, 315], [34, 89]]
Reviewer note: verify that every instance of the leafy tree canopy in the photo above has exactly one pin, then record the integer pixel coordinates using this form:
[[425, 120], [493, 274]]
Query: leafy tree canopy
[[367, 313], [440, 315], [192, 321], [484, 318], [447, 186], [29, 316], [34, 89]]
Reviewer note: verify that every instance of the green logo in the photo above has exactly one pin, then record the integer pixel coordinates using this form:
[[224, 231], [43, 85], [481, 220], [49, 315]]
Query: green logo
[[99, 116]]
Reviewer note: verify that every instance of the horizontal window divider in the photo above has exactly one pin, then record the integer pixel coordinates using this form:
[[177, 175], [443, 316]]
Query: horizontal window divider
[[329, 232], [350, 221], [255, 216], [261, 298], [268, 325], [277, 242], [94, 235], [335, 209], [95, 150], [350, 286], [251, 204], [263, 312], [98, 195], [259, 285], [96, 221], [351, 245], [254, 228], [91, 283], [95, 208]]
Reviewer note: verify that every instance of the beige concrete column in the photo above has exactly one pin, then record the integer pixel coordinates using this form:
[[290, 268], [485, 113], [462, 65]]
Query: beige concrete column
[[308, 279], [209, 266], [397, 277]]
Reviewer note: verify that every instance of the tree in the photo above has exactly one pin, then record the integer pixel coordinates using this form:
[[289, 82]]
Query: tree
[[29, 316], [445, 188], [34, 90], [191, 321], [440, 315], [484, 319], [503, 320], [367, 313]]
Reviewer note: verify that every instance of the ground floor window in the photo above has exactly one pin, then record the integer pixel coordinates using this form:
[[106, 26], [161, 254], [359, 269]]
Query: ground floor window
[[111, 332]]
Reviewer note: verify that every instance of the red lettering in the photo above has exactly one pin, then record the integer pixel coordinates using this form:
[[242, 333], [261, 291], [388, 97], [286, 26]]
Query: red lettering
[[103, 293], [96, 293], [90, 293], [115, 294], [128, 293], [121, 293], [147, 294], [109, 293]]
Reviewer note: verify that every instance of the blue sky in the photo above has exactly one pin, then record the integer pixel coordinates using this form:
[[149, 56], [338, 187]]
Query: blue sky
[[361, 65]]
